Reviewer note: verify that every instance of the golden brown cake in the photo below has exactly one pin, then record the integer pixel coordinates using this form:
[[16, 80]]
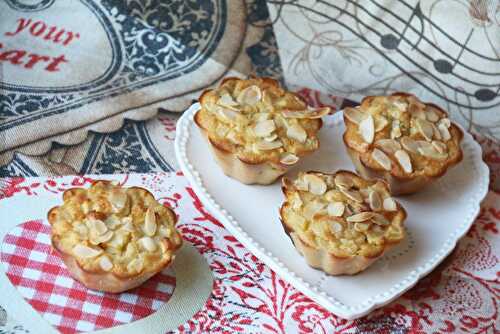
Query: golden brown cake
[[257, 130], [341, 223], [112, 238], [401, 139]]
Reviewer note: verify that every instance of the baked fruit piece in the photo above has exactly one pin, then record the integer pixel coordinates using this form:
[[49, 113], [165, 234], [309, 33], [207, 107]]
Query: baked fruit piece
[[400, 139], [112, 238], [341, 223], [256, 129]]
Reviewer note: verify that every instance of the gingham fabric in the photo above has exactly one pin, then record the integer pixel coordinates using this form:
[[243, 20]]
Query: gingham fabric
[[42, 279]]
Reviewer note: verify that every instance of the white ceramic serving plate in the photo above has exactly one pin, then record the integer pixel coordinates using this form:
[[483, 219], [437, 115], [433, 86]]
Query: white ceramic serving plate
[[437, 218]]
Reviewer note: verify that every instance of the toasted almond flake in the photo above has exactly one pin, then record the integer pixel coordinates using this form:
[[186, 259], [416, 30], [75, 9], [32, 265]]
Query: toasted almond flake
[[336, 227], [425, 129], [118, 199], [445, 133], [310, 113], [261, 116], [382, 159], [264, 128], [128, 226], [380, 123], [437, 133], [409, 144], [250, 95], [361, 227], [360, 217], [390, 204], [312, 208], [85, 252], [388, 145], [231, 116], [379, 219], [439, 146], [150, 222], [148, 244], [375, 201], [344, 181], [82, 230], [445, 121], [353, 195], [97, 226], [165, 231], [431, 152], [400, 105], [315, 183], [367, 129], [297, 132], [354, 115], [419, 114], [98, 239], [267, 146], [395, 129], [300, 184], [136, 265], [288, 158], [112, 222], [271, 138], [296, 201], [227, 100], [336, 209], [404, 161], [432, 116], [105, 263]]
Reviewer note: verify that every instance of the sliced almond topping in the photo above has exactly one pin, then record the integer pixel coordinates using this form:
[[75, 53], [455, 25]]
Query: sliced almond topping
[[395, 129], [310, 113], [264, 128], [367, 129], [360, 217], [419, 114], [148, 244], [300, 184], [380, 123], [432, 116], [382, 159], [250, 95], [98, 239], [437, 133], [379, 219], [375, 201], [409, 144], [271, 138], [295, 131], [288, 159], [312, 208], [445, 133], [97, 226], [118, 199], [354, 115], [150, 222], [404, 161], [165, 231], [136, 265], [439, 146], [390, 204], [316, 184], [425, 128], [361, 227], [85, 252], [336, 209], [431, 152], [112, 222], [128, 225], [445, 121], [400, 105], [82, 230], [230, 116], [353, 195], [227, 100], [388, 145], [105, 263], [344, 181], [267, 146], [336, 227]]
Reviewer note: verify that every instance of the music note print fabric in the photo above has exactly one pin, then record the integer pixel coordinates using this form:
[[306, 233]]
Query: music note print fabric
[[446, 52]]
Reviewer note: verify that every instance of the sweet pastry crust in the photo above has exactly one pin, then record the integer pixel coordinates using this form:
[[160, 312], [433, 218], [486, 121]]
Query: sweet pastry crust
[[402, 140], [256, 129], [112, 238], [341, 223]]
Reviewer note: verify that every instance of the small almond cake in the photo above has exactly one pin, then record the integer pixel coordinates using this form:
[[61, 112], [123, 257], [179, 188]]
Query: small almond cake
[[341, 223], [112, 238], [399, 138], [256, 129]]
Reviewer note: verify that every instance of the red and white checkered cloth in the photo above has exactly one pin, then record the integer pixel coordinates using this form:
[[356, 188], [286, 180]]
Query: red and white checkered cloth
[[40, 276]]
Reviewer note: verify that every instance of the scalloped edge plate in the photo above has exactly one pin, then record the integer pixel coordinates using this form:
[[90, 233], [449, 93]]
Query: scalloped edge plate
[[458, 195]]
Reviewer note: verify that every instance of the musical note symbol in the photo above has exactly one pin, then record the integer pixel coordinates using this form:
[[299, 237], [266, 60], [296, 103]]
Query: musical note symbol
[[486, 94], [391, 41], [444, 66]]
